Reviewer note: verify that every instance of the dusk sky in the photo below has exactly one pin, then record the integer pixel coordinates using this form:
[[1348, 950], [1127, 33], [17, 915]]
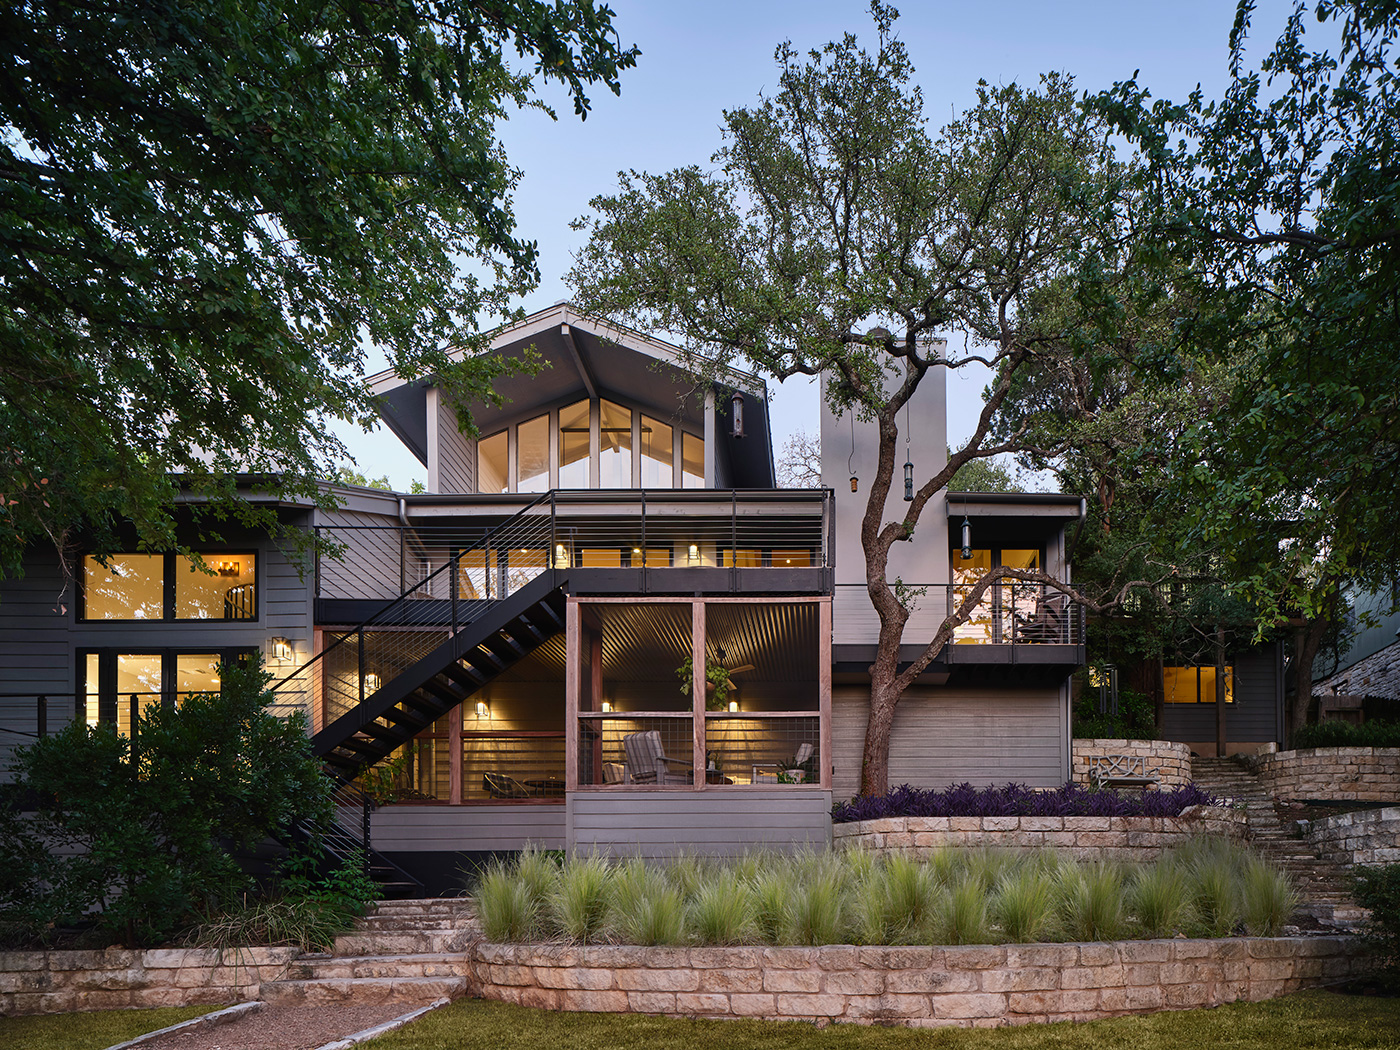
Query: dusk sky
[[699, 59]]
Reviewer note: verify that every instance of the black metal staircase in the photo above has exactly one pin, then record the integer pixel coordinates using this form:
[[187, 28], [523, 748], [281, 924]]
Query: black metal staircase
[[501, 633]]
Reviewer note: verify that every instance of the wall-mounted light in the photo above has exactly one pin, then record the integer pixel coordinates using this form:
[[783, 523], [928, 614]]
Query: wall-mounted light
[[607, 707], [371, 683], [228, 568], [561, 556], [736, 404], [482, 711], [733, 706], [966, 538], [692, 554], [281, 649]]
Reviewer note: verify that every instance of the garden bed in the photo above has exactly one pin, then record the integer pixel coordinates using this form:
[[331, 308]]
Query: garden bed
[[1020, 800]]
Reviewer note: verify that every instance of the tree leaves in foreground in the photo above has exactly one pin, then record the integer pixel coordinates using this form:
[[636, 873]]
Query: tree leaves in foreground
[[839, 237], [208, 210], [1279, 204]]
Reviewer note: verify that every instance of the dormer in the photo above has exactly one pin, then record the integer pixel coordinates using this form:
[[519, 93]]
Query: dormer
[[610, 409]]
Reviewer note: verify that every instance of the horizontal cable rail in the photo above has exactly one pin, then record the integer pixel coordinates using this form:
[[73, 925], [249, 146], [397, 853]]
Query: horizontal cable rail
[[590, 529], [1008, 614], [359, 662]]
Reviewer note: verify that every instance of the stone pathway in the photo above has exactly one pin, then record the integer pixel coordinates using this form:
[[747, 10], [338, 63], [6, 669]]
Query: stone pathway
[[294, 1026], [1321, 882]]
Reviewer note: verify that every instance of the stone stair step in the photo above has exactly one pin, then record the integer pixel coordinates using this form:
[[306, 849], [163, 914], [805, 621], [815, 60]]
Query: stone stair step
[[403, 942], [426, 964], [364, 990]]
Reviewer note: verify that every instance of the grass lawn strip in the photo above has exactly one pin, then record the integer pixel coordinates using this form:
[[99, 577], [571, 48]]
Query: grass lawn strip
[[1306, 1021], [95, 1030]]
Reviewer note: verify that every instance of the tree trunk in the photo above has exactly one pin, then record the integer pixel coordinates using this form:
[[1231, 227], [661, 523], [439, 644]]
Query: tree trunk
[[1305, 646], [1221, 732], [875, 762]]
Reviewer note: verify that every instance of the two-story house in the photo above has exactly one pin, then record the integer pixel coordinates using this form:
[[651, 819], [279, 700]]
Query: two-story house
[[601, 628]]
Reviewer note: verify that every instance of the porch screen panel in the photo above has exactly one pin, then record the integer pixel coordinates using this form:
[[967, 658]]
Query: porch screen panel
[[573, 446]]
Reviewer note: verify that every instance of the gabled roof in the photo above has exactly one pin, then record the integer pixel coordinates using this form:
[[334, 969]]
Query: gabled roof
[[589, 357]]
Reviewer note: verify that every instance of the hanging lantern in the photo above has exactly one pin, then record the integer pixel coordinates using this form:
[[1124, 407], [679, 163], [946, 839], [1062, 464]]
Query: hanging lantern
[[908, 481], [855, 483], [967, 539], [737, 418]]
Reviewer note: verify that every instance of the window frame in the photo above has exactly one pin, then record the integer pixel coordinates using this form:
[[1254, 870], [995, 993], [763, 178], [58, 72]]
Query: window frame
[[107, 693], [168, 589]]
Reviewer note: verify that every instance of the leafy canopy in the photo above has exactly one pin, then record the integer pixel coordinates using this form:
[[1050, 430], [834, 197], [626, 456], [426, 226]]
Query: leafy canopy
[[208, 210]]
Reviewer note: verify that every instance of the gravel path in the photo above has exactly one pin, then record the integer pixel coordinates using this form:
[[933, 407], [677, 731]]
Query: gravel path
[[283, 1027]]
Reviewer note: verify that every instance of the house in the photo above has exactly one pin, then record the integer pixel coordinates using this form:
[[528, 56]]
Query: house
[[601, 628]]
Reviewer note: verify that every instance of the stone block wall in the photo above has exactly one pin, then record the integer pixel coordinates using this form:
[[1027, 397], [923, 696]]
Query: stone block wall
[[114, 979], [1372, 837], [967, 986], [1376, 675], [1169, 762], [1339, 774], [1085, 838]]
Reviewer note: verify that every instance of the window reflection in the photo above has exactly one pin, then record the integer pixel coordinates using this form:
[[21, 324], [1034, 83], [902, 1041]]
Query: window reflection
[[692, 462], [657, 448], [573, 446], [614, 446], [128, 587], [532, 456]]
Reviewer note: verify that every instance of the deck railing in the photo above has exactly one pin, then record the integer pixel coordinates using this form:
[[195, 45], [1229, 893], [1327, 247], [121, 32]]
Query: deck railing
[[1008, 614]]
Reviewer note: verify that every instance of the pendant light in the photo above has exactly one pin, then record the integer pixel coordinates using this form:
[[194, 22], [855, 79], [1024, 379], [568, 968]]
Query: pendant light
[[851, 461], [966, 538], [908, 462]]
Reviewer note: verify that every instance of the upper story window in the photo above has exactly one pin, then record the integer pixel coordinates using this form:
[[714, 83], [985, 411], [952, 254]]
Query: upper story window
[[598, 444], [170, 587]]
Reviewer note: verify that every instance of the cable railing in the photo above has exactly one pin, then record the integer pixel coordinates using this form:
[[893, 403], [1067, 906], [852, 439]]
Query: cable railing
[[1008, 614], [621, 529], [357, 663]]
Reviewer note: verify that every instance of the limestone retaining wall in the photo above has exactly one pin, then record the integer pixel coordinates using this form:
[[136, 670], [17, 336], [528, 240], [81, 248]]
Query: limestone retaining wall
[[1169, 762], [60, 981], [1372, 837], [969, 986], [1341, 774], [1085, 838]]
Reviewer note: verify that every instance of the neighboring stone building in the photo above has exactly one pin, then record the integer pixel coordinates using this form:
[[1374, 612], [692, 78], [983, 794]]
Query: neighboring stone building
[[1371, 666]]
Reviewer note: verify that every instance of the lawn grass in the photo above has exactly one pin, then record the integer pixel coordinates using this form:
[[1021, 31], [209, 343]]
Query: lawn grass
[[92, 1030], [1299, 1022]]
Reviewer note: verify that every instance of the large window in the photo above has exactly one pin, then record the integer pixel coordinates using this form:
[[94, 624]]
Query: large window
[[573, 446], [1195, 685], [117, 685], [1007, 611], [657, 454], [692, 462], [170, 587], [532, 456], [614, 446], [492, 464]]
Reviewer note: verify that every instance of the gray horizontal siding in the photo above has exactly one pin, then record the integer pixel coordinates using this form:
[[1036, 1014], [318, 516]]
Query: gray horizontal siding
[[947, 736], [467, 828], [657, 824], [1253, 717]]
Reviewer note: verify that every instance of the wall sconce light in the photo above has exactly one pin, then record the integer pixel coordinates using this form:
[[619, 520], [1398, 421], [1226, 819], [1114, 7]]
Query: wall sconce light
[[737, 408], [966, 539], [281, 649], [693, 554], [607, 706], [733, 706], [482, 711], [228, 568], [372, 683], [561, 556]]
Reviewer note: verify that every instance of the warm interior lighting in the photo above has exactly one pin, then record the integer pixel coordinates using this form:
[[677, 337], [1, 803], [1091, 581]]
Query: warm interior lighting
[[228, 568], [561, 556], [733, 706], [607, 707], [693, 553], [281, 649], [371, 683], [482, 711]]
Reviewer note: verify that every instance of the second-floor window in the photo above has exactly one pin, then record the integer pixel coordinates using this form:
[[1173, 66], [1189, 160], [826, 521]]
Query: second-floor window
[[600, 444], [170, 587]]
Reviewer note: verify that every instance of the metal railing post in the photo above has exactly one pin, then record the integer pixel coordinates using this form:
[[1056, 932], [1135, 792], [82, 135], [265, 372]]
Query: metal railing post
[[42, 717], [452, 586], [360, 646], [553, 536]]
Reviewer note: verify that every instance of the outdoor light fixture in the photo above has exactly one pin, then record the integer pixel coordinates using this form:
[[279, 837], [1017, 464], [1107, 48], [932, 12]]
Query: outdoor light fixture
[[561, 556], [733, 706], [737, 405], [693, 554], [607, 707], [851, 459], [371, 683], [966, 538], [228, 568], [281, 649], [908, 480], [482, 711]]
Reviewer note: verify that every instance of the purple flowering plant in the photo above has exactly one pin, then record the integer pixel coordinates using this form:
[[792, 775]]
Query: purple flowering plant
[[1020, 800]]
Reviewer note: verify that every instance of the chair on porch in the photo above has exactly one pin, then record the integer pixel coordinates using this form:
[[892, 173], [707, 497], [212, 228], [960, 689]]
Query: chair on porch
[[1047, 626], [647, 762], [792, 768]]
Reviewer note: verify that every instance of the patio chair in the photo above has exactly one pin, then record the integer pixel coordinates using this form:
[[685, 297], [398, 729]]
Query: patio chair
[[793, 767], [1047, 625], [647, 762], [499, 785]]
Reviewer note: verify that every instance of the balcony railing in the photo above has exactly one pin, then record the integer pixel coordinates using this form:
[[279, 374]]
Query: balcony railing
[[1008, 614], [622, 529]]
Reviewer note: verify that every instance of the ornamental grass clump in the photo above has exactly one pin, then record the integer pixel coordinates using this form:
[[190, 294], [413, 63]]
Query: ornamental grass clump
[[1024, 905], [1267, 898], [504, 905], [962, 915], [1159, 899], [1091, 901], [579, 900], [722, 911], [814, 913]]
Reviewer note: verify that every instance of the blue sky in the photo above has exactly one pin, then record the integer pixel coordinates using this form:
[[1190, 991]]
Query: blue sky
[[701, 58]]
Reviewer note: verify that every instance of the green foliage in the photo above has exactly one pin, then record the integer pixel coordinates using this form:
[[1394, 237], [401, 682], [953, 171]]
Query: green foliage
[[507, 909], [1159, 899], [1267, 899], [1091, 902], [1136, 718], [722, 911], [983, 475], [580, 899], [716, 675], [962, 914], [211, 208], [138, 836], [1336, 733], [1378, 888], [1024, 905]]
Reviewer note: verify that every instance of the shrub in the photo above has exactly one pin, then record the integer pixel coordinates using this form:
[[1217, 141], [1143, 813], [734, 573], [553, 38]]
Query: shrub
[[962, 915], [579, 898], [815, 910], [1267, 898], [1136, 718], [1019, 800], [1378, 888], [1213, 877], [1091, 902], [142, 840], [1334, 733], [722, 911]]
